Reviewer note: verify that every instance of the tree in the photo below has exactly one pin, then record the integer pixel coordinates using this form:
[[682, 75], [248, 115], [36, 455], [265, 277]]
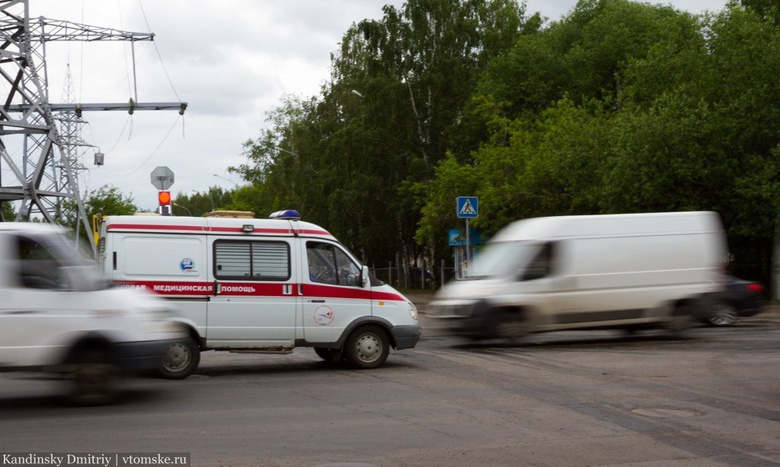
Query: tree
[[198, 203], [393, 108], [8, 213], [105, 201]]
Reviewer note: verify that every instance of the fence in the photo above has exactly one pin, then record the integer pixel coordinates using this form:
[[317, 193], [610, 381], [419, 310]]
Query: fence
[[414, 277]]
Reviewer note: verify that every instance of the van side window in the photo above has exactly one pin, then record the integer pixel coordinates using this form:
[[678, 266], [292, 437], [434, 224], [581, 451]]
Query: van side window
[[256, 260], [328, 264], [543, 264], [39, 268]]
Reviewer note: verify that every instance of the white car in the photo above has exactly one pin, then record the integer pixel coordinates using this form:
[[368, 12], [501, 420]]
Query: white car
[[57, 315]]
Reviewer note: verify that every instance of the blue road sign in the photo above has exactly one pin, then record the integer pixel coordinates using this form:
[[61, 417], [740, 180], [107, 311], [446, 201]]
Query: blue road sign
[[468, 207]]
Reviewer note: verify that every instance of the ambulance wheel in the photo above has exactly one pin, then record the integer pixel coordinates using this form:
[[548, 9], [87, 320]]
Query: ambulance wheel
[[329, 355], [93, 378], [180, 359], [367, 347]]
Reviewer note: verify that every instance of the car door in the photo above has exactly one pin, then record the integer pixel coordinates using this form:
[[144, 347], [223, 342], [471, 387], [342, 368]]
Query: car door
[[37, 307], [254, 303]]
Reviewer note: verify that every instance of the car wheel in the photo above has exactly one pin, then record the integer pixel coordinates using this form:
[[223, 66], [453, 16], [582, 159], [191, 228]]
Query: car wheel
[[93, 378], [723, 315], [329, 355], [367, 347], [180, 359]]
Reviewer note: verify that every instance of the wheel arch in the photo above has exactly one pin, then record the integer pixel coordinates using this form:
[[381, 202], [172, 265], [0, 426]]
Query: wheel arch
[[191, 329], [90, 341], [489, 312], [365, 320], [696, 306]]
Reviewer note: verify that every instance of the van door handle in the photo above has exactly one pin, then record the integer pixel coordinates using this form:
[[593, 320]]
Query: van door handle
[[217, 288], [317, 301]]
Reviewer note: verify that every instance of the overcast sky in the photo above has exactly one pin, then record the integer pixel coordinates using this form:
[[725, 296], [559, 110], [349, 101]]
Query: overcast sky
[[230, 60]]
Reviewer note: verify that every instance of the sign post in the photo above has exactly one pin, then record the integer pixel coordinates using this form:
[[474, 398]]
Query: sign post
[[467, 208], [162, 179]]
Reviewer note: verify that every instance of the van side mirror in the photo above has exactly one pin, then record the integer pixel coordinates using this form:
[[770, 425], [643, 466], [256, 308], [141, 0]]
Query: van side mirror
[[365, 280]]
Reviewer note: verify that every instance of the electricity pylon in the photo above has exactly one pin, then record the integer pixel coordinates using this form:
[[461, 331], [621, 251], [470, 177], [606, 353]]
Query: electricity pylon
[[36, 175]]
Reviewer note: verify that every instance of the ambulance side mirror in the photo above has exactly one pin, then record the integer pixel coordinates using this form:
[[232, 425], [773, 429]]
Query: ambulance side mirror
[[365, 280]]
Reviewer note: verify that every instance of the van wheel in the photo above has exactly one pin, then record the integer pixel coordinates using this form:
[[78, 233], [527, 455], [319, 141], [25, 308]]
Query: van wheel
[[180, 359], [367, 347], [682, 320], [93, 378], [510, 325], [329, 355]]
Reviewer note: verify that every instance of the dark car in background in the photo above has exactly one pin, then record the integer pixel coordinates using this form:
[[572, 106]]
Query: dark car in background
[[739, 299]]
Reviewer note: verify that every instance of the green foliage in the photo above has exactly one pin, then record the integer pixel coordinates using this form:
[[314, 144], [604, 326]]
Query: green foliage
[[197, 204], [621, 106], [7, 211], [627, 107], [105, 201]]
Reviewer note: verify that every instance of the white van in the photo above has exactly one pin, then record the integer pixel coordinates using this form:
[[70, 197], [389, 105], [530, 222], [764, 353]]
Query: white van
[[258, 285], [58, 315], [629, 271]]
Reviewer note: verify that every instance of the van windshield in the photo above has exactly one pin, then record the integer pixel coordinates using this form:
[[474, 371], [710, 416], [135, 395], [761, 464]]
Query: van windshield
[[54, 261], [503, 259]]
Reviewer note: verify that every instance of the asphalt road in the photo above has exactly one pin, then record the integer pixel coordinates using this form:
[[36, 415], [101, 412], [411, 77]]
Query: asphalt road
[[562, 399]]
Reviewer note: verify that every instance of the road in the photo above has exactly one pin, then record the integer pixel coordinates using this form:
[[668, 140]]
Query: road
[[561, 399]]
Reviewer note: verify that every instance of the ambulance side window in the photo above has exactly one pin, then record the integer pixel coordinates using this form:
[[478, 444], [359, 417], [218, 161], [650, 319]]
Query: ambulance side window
[[256, 260], [329, 264]]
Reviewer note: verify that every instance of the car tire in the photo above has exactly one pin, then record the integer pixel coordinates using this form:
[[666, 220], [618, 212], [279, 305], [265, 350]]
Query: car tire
[[723, 314], [367, 347], [180, 359]]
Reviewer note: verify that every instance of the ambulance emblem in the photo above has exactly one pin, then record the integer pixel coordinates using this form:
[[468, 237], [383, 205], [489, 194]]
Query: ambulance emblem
[[187, 265], [323, 316]]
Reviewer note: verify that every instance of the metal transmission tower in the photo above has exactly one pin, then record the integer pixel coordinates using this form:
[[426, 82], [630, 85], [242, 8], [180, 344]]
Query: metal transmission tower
[[35, 175]]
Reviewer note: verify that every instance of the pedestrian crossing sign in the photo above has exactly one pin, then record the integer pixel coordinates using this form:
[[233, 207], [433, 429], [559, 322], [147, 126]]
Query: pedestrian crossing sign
[[467, 207]]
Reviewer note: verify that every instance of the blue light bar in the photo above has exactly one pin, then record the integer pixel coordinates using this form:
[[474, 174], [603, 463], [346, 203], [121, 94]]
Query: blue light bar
[[290, 214]]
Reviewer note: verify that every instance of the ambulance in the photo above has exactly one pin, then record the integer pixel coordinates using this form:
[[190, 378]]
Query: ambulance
[[245, 285]]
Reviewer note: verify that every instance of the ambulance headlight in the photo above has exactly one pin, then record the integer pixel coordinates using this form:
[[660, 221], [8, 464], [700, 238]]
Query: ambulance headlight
[[412, 310]]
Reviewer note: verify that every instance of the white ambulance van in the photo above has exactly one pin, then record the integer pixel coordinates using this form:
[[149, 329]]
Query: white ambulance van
[[258, 285], [629, 271], [59, 316]]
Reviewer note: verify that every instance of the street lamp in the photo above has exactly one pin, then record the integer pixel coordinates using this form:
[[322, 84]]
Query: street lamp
[[288, 152], [180, 206], [226, 179]]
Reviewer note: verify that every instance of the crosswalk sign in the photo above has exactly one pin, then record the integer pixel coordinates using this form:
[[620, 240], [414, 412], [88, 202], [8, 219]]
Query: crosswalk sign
[[467, 207]]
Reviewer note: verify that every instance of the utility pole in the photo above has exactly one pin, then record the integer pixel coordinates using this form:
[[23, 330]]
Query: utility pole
[[46, 172]]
